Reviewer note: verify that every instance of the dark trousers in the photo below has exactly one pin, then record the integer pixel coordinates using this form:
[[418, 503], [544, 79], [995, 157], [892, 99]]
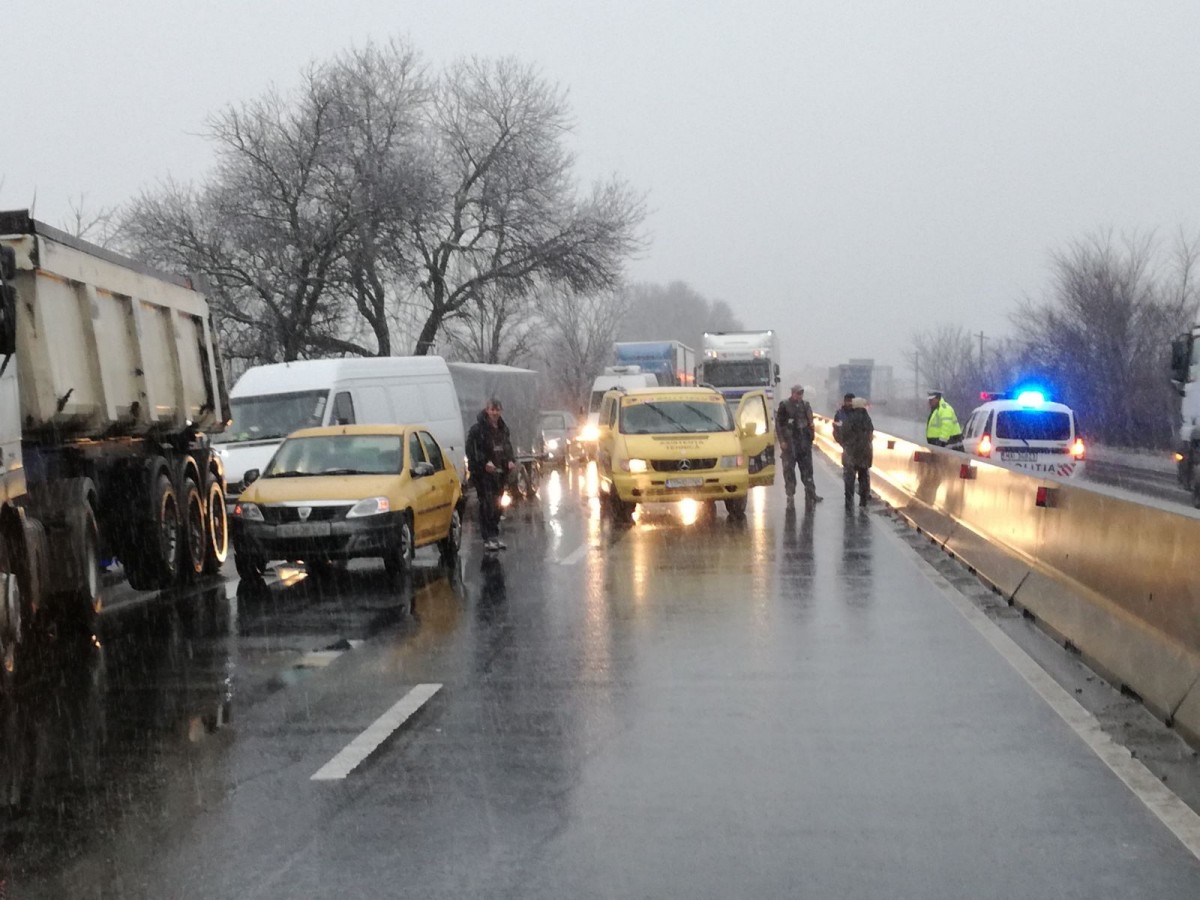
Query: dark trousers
[[489, 490], [793, 457], [863, 474]]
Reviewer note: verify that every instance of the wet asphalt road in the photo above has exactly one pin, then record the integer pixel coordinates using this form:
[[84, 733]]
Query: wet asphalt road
[[785, 706]]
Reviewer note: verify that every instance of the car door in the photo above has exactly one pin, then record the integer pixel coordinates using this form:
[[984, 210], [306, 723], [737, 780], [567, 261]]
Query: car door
[[444, 482], [756, 430], [424, 492]]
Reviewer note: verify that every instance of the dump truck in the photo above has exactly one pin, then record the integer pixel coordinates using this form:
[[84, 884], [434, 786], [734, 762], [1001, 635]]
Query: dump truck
[[110, 383]]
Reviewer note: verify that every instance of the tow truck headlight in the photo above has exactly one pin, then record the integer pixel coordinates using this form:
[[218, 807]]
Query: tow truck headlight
[[372, 506], [731, 462], [248, 511], [635, 466]]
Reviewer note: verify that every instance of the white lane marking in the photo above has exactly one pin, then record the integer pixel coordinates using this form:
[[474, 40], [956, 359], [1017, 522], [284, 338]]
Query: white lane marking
[[574, 556], [377, 732], [318, 659], [1182, 821]]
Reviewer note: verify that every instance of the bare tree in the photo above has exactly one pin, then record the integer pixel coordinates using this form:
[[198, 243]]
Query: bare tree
[[265, 231], [497, 326], [1099, 336], [674, 312], [508, 218], [99, 226], [577, 337]]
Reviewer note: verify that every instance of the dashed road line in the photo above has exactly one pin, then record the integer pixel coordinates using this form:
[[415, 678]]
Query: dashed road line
[[377, 732], [575, 555]]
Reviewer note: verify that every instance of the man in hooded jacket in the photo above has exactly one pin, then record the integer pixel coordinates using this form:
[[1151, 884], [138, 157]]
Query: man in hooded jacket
[[490, 458], [856, 434]]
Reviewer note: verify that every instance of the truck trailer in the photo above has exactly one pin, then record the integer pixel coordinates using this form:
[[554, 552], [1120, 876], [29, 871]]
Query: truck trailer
[[671, 362], [110, 383]]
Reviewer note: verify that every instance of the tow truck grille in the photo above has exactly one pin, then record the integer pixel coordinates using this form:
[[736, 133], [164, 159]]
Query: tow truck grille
[[682, 465]]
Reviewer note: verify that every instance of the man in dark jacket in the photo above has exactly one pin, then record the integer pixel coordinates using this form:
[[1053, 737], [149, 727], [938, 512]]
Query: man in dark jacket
[[490, 458], [856, 432], [794, 429]]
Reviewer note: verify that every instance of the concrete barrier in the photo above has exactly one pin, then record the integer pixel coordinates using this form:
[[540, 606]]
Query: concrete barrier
[[1116, 579]]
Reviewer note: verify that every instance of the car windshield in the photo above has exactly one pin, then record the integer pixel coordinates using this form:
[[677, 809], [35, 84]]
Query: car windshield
[[698, 416], [1033, 425], [554, 423], [738, 373], [341, 454], [273, 415]]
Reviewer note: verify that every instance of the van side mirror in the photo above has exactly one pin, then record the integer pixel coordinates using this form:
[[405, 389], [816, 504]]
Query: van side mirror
[[251, 476], [422, 469]]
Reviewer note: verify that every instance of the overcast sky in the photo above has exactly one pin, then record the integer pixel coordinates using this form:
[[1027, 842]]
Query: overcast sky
[[844, 172]]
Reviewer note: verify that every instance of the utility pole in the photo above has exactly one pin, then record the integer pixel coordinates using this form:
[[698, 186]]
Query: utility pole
[[980, 335], [917, 380]]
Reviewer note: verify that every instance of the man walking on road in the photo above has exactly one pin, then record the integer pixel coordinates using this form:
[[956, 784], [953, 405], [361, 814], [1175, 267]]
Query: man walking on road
[[794, 429], [856, 433], [490, 458]]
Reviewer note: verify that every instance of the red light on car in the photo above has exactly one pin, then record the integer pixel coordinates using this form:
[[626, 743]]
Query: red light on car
[[985, 446], [1078, 450]]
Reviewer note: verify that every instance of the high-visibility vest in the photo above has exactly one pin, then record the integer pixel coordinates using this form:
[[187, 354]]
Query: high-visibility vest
[[943, 424]]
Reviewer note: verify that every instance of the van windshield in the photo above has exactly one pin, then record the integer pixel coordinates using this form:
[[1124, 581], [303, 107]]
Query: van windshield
[[676, 417], [273, 416], [737, 373], [1033, 425]]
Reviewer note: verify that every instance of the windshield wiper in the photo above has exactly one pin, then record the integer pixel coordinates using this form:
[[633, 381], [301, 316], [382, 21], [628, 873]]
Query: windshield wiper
[[292, 473], [717, 426], [344, 472]]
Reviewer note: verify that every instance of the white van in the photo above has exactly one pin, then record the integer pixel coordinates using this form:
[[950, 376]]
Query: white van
[[627, 377], [270, 402]]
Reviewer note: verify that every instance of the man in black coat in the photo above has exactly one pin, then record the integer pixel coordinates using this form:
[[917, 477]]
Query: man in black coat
[[855, 431], [490, 458]]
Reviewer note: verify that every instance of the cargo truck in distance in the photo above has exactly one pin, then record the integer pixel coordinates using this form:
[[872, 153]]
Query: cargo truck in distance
[[1185, 377], [860, 377], [737, 362], [110, 382], [672, 363]]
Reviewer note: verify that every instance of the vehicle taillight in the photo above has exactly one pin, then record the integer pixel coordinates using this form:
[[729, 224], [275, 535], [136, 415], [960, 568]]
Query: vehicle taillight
[[985, 446], [1077, 449]]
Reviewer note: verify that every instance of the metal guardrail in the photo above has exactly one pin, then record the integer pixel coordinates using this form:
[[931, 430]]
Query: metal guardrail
[[1116, 579]]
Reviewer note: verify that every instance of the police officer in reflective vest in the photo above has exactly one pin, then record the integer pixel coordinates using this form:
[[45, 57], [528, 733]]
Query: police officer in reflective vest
[[794, 430], [942, 428]]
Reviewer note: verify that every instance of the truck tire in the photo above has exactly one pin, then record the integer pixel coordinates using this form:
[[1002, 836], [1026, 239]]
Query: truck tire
[[82, 602], [218, 526], [24, 558], [193, 546], [154, 562]]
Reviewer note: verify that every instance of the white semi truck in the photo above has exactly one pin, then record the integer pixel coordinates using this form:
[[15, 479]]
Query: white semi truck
[[110, 382], [736, 362]]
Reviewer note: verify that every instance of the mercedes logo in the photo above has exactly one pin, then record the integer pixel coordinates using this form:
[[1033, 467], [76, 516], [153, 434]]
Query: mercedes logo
[[685, 464]]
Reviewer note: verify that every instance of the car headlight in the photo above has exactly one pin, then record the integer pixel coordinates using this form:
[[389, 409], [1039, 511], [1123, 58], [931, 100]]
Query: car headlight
[[248, 511], [589, 433], [636, 466], [372, 506], [552, 444], [731, 462]]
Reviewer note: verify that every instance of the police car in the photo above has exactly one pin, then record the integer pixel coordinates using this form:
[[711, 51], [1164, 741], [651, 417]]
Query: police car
[[1028, 432]]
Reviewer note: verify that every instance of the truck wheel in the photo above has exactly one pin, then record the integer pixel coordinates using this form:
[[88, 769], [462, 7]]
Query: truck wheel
[[155, 557], [218, 526], [84, 600], [194, 532]]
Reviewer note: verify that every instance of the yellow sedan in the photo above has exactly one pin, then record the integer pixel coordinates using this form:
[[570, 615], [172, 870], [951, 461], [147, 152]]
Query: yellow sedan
[[349, 491]]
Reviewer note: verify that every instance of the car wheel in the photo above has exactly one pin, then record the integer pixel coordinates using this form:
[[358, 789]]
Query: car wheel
[[449, 546], [399, 560], [249, 567], [736, 508]]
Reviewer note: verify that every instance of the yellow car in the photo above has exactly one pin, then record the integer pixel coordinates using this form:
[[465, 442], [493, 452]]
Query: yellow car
[[347, 491], [677, 443]]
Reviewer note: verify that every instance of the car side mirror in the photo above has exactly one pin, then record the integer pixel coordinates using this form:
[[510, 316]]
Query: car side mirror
[[422, 470], [251, 476]]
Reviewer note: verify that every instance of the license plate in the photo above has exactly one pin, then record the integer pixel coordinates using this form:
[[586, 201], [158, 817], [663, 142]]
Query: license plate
[[684, 482], [1018, 456], [303, 529]]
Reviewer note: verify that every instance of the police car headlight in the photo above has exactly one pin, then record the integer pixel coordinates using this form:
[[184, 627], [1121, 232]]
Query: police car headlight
[[372, 506]]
